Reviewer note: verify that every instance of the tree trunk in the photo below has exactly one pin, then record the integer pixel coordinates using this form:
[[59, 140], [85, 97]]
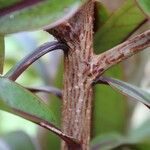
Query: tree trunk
[[77, 32]]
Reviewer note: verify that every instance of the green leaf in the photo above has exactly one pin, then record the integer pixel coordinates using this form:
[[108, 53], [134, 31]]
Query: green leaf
[[141, 133], [145, 5], [107, 141], [14, 98], [100, 15], [4, 3], [119, 26], [130, 90], [134, 138], [2, 53], [141, 146], [105, 113], [46, 13], [113, 140], [138, 138], [17, 140]]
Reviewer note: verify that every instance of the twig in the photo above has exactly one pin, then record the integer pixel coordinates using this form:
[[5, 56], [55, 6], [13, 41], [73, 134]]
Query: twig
[[20, 67], [117, 54], [46, 89]]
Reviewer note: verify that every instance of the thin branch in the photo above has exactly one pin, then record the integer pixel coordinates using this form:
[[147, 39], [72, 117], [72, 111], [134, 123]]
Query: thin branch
[[117, 54], [20, 67], [46, 89], [68, 139]]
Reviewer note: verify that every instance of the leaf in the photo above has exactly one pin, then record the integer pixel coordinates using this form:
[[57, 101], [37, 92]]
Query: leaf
[[110, 141], [16, 99], [24, 63], [141, 133], [130, 90], [100, 15], [145, 5], [4, 3], [119, 26], [46, 89], [142, 146], [107, 141], [105, 113], [42, 14], [17, 140], [2, 53]]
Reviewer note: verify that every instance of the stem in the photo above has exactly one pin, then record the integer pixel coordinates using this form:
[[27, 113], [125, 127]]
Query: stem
[[77, 32], [20, 67], [46, 89], [119, 53]]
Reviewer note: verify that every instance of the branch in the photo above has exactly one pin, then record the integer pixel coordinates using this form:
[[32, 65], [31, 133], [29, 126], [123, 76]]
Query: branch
[[20, 67], [117, 54], [47, 89]]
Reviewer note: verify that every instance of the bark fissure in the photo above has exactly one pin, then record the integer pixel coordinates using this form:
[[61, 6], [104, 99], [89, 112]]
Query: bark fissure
[[77, 93], [119, 53], [82, 67]]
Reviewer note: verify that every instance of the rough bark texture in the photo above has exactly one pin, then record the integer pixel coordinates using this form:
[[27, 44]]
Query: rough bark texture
[[119, 53], [82, 67], [77, 94]]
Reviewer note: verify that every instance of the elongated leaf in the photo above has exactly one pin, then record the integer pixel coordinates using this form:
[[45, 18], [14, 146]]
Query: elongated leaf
[[2, 53], [17, 140], [21, 66], [145, 5], [119, 26], [105, 114], [107, 141], [101, 15], [139, 138], [4, 3], [130, 90], [113, 140], [142, 133], [16, 99], [46, 89], [46, 13]]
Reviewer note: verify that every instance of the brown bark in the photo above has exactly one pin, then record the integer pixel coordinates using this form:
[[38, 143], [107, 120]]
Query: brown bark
[[82, 67], [77, 93], [119, 53]]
